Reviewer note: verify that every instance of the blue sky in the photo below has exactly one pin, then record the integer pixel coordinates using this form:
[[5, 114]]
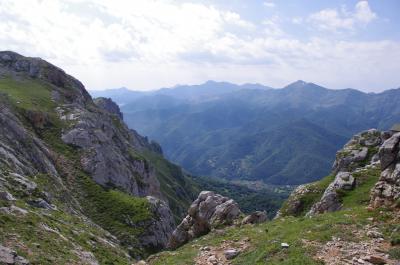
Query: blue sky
[[159, 43]]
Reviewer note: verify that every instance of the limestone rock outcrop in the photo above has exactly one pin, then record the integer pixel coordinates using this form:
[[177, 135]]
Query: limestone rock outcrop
[[208, 211], [108, 105], [386, 191], [358, 153], [20, 149], [10, 257], [330, 200], [158, 230], [110, 151], [294, 205]]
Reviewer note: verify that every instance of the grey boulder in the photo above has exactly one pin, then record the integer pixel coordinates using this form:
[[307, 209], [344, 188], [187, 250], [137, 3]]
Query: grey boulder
[[9, 256], [255, 218], [386, 191], [207, 212], [231, 253], [330, 200]]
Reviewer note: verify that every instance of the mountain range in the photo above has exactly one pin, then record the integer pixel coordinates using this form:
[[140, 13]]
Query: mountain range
[[254, 132], [78, 186]]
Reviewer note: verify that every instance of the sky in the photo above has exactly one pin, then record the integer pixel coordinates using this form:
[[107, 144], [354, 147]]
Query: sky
[[149, 44]]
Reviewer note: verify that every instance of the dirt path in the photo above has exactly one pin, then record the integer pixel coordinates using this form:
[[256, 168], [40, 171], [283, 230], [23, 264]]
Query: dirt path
[[337, 252], [368, 247], [209, 255]]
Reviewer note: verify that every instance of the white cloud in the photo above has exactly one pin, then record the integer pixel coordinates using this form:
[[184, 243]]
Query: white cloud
[[272, 27], [336, 20], [157, 43], [297, 20], [273, 61], [269, 4], [364, 13], [137, 30]]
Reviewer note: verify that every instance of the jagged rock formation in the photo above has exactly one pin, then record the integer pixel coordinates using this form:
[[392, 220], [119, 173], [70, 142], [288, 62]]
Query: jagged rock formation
[[359, 152], [57, 146], [369, 150], [208, 211], [358, 155], [20, 149], [110, 150], [387, 190], [330, 200], [159, 229], [108, 105]]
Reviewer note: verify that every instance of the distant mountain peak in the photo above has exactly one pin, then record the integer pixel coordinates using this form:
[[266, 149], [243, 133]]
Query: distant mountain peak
[[213, 82], [117, 89], [297, 84], [210, 82], [303, 85], [122, 89]]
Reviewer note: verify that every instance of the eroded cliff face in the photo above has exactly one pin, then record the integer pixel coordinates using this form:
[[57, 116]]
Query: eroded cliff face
[[57, 146], [110, 151], [20, 149]]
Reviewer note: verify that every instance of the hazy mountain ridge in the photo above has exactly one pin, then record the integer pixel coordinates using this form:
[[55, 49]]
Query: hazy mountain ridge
[[226, 133]]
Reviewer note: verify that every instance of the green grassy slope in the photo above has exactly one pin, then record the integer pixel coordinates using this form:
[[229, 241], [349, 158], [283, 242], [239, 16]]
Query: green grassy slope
[[265, 238], [28, 94], [53, 237]]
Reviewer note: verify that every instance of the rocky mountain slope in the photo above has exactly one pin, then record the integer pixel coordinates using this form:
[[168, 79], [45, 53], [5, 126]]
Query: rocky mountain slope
[[76, 185], [350, 217], [281, 136]]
